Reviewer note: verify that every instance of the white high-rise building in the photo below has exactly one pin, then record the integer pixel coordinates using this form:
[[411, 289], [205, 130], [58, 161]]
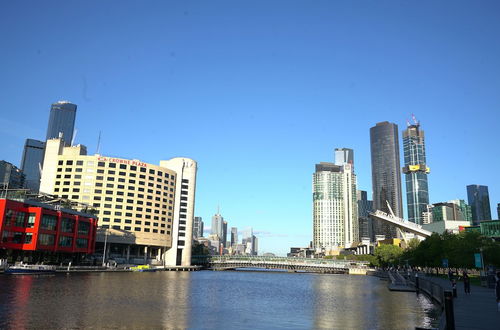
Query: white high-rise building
[[335, 210]]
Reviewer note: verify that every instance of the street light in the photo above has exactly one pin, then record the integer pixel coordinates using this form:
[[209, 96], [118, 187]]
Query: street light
[[105, 241]]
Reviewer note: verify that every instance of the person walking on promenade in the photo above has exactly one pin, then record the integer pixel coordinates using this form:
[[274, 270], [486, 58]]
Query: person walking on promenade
[[497, 289], [466, 282]]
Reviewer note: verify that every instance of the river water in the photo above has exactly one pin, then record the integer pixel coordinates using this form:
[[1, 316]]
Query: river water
[[207, 299]]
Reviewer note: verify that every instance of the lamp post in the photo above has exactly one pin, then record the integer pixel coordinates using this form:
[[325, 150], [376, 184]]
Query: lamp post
[[105, 242]]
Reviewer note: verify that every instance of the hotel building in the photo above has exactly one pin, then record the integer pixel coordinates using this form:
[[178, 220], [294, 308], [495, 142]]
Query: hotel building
[[145, 211]]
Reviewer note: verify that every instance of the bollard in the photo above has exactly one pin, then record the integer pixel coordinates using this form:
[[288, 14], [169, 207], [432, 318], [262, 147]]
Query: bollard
[[417, 284], [454, 286], [448, 308]]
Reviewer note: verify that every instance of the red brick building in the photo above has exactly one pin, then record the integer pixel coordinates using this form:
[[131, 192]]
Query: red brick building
[[33, 231]]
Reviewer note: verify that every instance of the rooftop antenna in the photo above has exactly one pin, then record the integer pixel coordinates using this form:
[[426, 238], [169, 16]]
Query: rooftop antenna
[[98, 143], [74, 136], [218, 209]]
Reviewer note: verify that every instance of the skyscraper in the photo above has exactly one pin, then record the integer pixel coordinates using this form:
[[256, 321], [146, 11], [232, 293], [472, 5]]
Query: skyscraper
[[234, 236], [415, 170], [498, 211], [62, 120], [479, 200], [344, 156], [386, 174], [335, 211], [218, 226], [365, 206], [32, 162], [11, 177], [197, 227]]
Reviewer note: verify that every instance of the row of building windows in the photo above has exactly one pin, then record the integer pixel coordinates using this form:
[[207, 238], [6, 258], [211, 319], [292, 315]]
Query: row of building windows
[[114, 165], [138, 229]]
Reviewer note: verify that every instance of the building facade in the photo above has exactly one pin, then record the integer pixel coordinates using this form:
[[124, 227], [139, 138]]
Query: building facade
[[335, 211], [386, 174], [11, 177], [365, 206], [479, 200], [218, 227], [416, 171], [32, 162], [61, 120], [344, 156], [33, 232], [234, 236], [197, 227], [145, 211]]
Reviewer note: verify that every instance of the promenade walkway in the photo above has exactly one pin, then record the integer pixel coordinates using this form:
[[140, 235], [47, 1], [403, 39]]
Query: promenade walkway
[[477, 310]]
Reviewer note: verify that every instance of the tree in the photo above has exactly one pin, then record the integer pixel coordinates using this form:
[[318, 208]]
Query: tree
[[388, 254]]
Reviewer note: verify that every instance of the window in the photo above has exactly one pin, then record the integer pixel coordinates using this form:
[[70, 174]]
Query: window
[[46, 239], [79, 169], [82, 243], [28, 238], [133, 168], [67, 226], [31, 220], [127, 228], [123, 166], [79, 162], [116, 227], [100, 171], [109, 185], [111, 172], [112, 165], [120, 186], [65, 241], [137, 222], [143, 170], [83, 228], [49, 222], [20, 218], [137, 228]]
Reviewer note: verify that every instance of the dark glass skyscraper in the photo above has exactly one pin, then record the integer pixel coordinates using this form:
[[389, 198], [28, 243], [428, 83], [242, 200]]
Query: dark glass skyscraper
[[386, 173], [415, 170], [31, 163], [479, 200], [62, 120]]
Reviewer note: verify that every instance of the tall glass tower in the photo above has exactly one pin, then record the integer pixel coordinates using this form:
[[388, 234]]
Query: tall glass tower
[[62, 120], [386, 174], [415, 170], [479, 200]]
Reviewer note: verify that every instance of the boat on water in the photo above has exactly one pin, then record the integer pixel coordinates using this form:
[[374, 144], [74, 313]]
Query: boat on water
[[143, 268], [26, 269]]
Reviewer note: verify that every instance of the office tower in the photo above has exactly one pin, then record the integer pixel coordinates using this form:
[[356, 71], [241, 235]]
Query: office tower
[[11, 177], [386, 174], [455, 210], [498, 211], [31, 163], [62, 120], [248, 240], [415, 170], [255, 245], [335, 211], [217, 225], [365, 206], [197, 227], [344, 156], [479, 200], [234, 236], [224, 233]]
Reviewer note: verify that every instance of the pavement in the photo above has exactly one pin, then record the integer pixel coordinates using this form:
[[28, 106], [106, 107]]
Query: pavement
[[477, 310]]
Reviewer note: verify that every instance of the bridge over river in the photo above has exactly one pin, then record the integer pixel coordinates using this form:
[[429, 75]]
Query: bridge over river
[[291, 264]]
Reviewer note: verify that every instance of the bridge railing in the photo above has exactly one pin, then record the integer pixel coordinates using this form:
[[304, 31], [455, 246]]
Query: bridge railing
[[279, 260]]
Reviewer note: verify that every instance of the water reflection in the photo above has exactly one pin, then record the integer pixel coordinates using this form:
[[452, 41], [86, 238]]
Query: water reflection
[[356, 302], [234, 300]]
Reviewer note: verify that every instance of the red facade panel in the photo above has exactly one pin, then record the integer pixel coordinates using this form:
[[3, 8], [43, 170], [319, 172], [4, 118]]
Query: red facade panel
[[35, 228]]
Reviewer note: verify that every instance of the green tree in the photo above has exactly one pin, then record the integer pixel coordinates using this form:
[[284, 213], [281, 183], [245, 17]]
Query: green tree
[[388, 254]]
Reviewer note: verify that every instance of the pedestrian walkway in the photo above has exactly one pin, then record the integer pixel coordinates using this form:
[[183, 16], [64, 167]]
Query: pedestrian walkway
[[477, 310]]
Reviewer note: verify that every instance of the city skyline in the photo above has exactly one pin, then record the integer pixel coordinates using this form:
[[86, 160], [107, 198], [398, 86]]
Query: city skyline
[[257, 105]]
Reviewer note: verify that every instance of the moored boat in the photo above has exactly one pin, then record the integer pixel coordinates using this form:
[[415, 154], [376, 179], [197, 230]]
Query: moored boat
[[25, 269], [143, 268]]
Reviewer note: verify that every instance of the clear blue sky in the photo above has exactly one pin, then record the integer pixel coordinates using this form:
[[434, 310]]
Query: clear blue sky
[[259, 91]]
